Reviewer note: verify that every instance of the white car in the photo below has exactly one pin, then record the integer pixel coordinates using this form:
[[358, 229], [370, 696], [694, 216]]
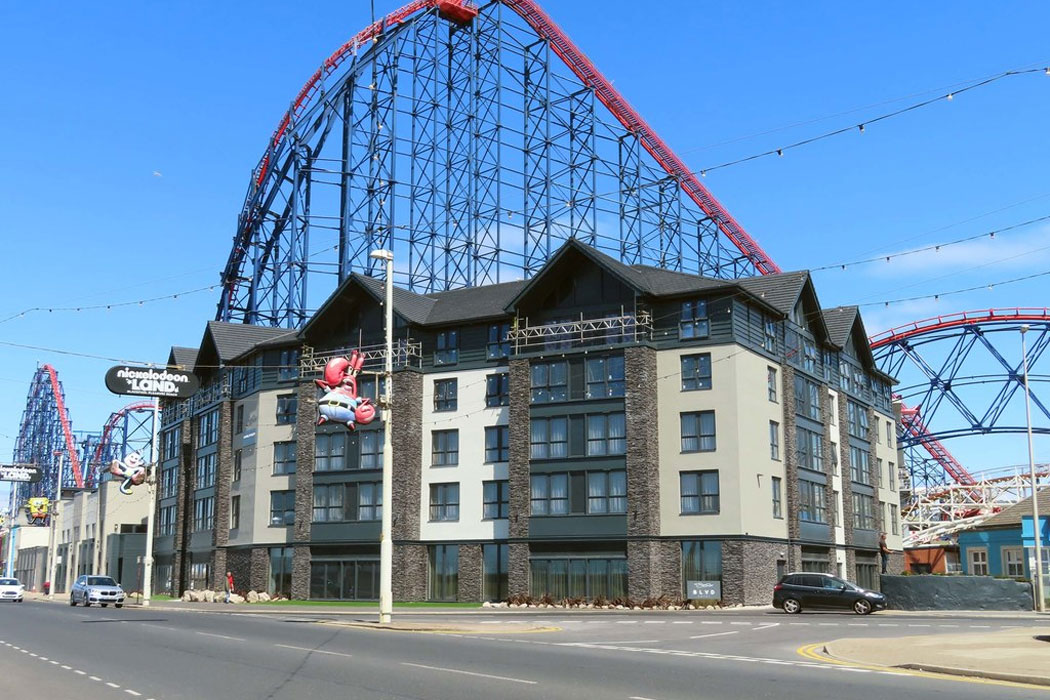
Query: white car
[[11, 589]]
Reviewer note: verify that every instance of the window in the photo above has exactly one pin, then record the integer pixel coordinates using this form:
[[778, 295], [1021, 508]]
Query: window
[[895, 526], [550, 382], [235, 512], [238, 460], [769, 337], [371, 449], [497, 390], [203, 513], [863, 511], [698, 431], [809, 449], [169, 480], [606, 434], [774, 440], [208, 429], [329, 452], [701, 561], [447, 349], [444, 571], [878, 470], [693, 323], [857, 415], [1013, 562], [282, 507], [206, 471], [978, 562], [549, 438], [778, 499], [287, 405], [497, 443], [368, 498], [445, 445], [172, 443], [495, 564], [696, 372], [166, 525], [368, 387], [495, 499], [284, 457], [812, 505], [607, 492], [891, 474], [238, 420], [280, 571], [575, 577], [860, 465], [445, 391], [444, 501], [605, 377], [771, 383], [328, 502], [807, 398], [809, 355], [288, 365], [550, 494], [699, 492], [889, 433], [498, 346]]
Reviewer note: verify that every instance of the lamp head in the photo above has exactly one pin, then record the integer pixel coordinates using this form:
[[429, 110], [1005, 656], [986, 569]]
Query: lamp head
[[1024, 328], [382, 254]]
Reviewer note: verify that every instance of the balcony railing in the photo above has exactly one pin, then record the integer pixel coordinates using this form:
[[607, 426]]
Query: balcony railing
[[407, 353], [583, 332], [188, 407]]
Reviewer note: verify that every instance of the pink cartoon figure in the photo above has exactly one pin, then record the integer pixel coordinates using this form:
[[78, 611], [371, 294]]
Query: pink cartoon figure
[[341, 403]]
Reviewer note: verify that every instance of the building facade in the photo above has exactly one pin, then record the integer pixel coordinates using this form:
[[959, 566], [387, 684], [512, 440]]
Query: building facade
[[598, 431]]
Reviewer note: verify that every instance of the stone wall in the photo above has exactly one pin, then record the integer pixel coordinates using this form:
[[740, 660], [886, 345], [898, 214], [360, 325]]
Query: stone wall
[[749, 571], [220, 534], [259, 569], [518, 568], [183, 509], [643, 457], [847, 488], [791, 495], [239, 563], [301, 572], [956, 593], [410, 572], [407, 444], [305, 427], [518, 463], [470, 573]]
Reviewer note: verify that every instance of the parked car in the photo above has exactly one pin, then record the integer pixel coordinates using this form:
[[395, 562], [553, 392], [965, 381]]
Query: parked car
[[810, 590], [12, 589], [96, 589]]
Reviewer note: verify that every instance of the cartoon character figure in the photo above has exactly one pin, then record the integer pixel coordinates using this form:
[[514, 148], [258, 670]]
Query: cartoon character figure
[[131, 470], [37, 510], [341, 402]]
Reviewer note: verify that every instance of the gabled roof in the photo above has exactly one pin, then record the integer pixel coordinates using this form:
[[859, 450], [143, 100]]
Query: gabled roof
[[840, 322], [781, 291], [410, 306], [228, 341], [1011, 516], [182, 358], [472, 303]]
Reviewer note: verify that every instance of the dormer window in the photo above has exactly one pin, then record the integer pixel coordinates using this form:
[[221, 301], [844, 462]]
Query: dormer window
[[694, 322], [447, 350]]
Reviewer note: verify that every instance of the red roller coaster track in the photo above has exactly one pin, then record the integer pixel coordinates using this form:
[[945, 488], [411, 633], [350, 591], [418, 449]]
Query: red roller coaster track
[[111, 423], [961, 318], [67, 432], [582, 67]]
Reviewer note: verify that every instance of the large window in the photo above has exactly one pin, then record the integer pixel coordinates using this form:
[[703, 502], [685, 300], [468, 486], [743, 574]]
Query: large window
[[238, 419], [578, 577], [860, 465], [607, 492], [348, 579], [445, 395], [208, 429], [169, 481], [550, 381], [696, 372], [694, 323], [364, 501], [550, 494], [282, 508], [863, 511], [288, 365], [444, 502], [812, 502], [447, 348], [444, 571], [497, 443], [497, 390], [605, 377], [699, 492], [891, 476], [495, 564], [445, 444], [778, 498], [206, 471], [172, 443], [496, 499], [498, 345], [203, 513], [701, 561], [606, 434], [807, 398], [330, 452], [809, 449], [371, 449], [287, 405], [698, 431], [549, 438], [328, 502], [769, 336], [235, 512], [895, 524], [857, 416], [284, 457], [166, 524], [280, 571]]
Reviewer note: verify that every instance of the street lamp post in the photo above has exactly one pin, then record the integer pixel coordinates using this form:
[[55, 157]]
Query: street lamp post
[[1037, 576], [51, 544], [151, 489], [386, 545]]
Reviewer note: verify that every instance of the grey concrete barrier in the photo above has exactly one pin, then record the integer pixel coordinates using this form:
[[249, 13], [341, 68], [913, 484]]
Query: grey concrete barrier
[[927, 592]]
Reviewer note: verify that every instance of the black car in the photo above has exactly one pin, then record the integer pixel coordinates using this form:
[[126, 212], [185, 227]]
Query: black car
[[810, 590]]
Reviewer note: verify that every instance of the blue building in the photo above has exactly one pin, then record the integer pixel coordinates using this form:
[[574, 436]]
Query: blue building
[[994, 548]]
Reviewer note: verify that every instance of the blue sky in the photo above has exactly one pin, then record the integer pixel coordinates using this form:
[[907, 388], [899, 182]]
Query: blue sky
[[131, 129]]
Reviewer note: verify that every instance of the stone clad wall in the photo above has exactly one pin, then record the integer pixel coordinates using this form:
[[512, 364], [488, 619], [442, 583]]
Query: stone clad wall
[[518, 472], [305, 422], [956, 593], [470, 576], [223, 476]]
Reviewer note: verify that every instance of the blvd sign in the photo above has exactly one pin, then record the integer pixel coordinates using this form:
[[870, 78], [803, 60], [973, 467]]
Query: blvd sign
[[22, 473], [147, 381]]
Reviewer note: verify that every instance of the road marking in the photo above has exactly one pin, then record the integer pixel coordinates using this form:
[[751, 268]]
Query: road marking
[[32, 654], [470, 673], [129, 691], [710, 622], [79, 672], [888, 624], [160, 627], [66, 668], [94, 678], [315, 651], [112, 685], [682, 622], [625, 641], [765, 627], [828, 624], [627, 622], [654, 622], [52, 661], [981, 627], [220, 636], [920, 625], [746, 624], [637, 697], [715, 634]]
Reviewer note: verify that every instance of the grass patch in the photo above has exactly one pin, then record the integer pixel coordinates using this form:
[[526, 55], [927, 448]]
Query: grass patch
[[363, 604]]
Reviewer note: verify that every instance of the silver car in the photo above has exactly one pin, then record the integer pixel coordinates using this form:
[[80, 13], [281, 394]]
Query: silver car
[[96, 589], [11, 589]]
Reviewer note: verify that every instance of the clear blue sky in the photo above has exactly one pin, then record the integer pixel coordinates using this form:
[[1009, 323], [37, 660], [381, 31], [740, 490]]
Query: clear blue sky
[[130, 130]]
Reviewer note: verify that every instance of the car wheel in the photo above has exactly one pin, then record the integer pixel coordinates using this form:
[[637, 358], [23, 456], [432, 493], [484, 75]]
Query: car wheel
[[104, 604], [862, 607], [20, 600], [118, 605], [72, 601], [792, 606]]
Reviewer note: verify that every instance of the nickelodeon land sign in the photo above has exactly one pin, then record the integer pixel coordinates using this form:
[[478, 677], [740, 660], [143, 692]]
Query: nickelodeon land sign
[[147, 381]]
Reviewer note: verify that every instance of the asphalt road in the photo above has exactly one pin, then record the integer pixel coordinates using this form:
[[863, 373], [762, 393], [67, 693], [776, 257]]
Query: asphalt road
[[52, 650]]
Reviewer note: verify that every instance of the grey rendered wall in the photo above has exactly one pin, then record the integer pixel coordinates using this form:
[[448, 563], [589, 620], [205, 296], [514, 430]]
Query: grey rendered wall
[[956, 593]]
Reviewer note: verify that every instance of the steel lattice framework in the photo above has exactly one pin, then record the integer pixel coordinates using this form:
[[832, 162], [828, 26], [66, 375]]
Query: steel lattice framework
[[959, 375], [471, 141], [128, 430], [46, 437]]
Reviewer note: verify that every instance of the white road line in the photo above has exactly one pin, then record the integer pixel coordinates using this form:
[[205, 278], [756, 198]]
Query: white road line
[[746, 624], [470, 673], [797, 624], [315, 651], [828, 624], [765, 627], [129, 691], [639, 697], [53, 662], [220, 636], [715, 634], [982, 627], [655, 622], [888, 624], [32, 654], [79, 672], [94, 678], [629, 641], [66, 668], [43, 658], [922, 625], [112, 685], [627, 622], [160, 627], [682, 622], [710, 622], [24, 651], [944, 626]]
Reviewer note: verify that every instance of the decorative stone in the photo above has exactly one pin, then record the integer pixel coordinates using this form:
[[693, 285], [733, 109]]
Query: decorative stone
[[253, 597]]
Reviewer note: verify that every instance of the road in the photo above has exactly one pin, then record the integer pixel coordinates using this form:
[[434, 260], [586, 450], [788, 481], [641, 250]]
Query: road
[[48, 649]]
